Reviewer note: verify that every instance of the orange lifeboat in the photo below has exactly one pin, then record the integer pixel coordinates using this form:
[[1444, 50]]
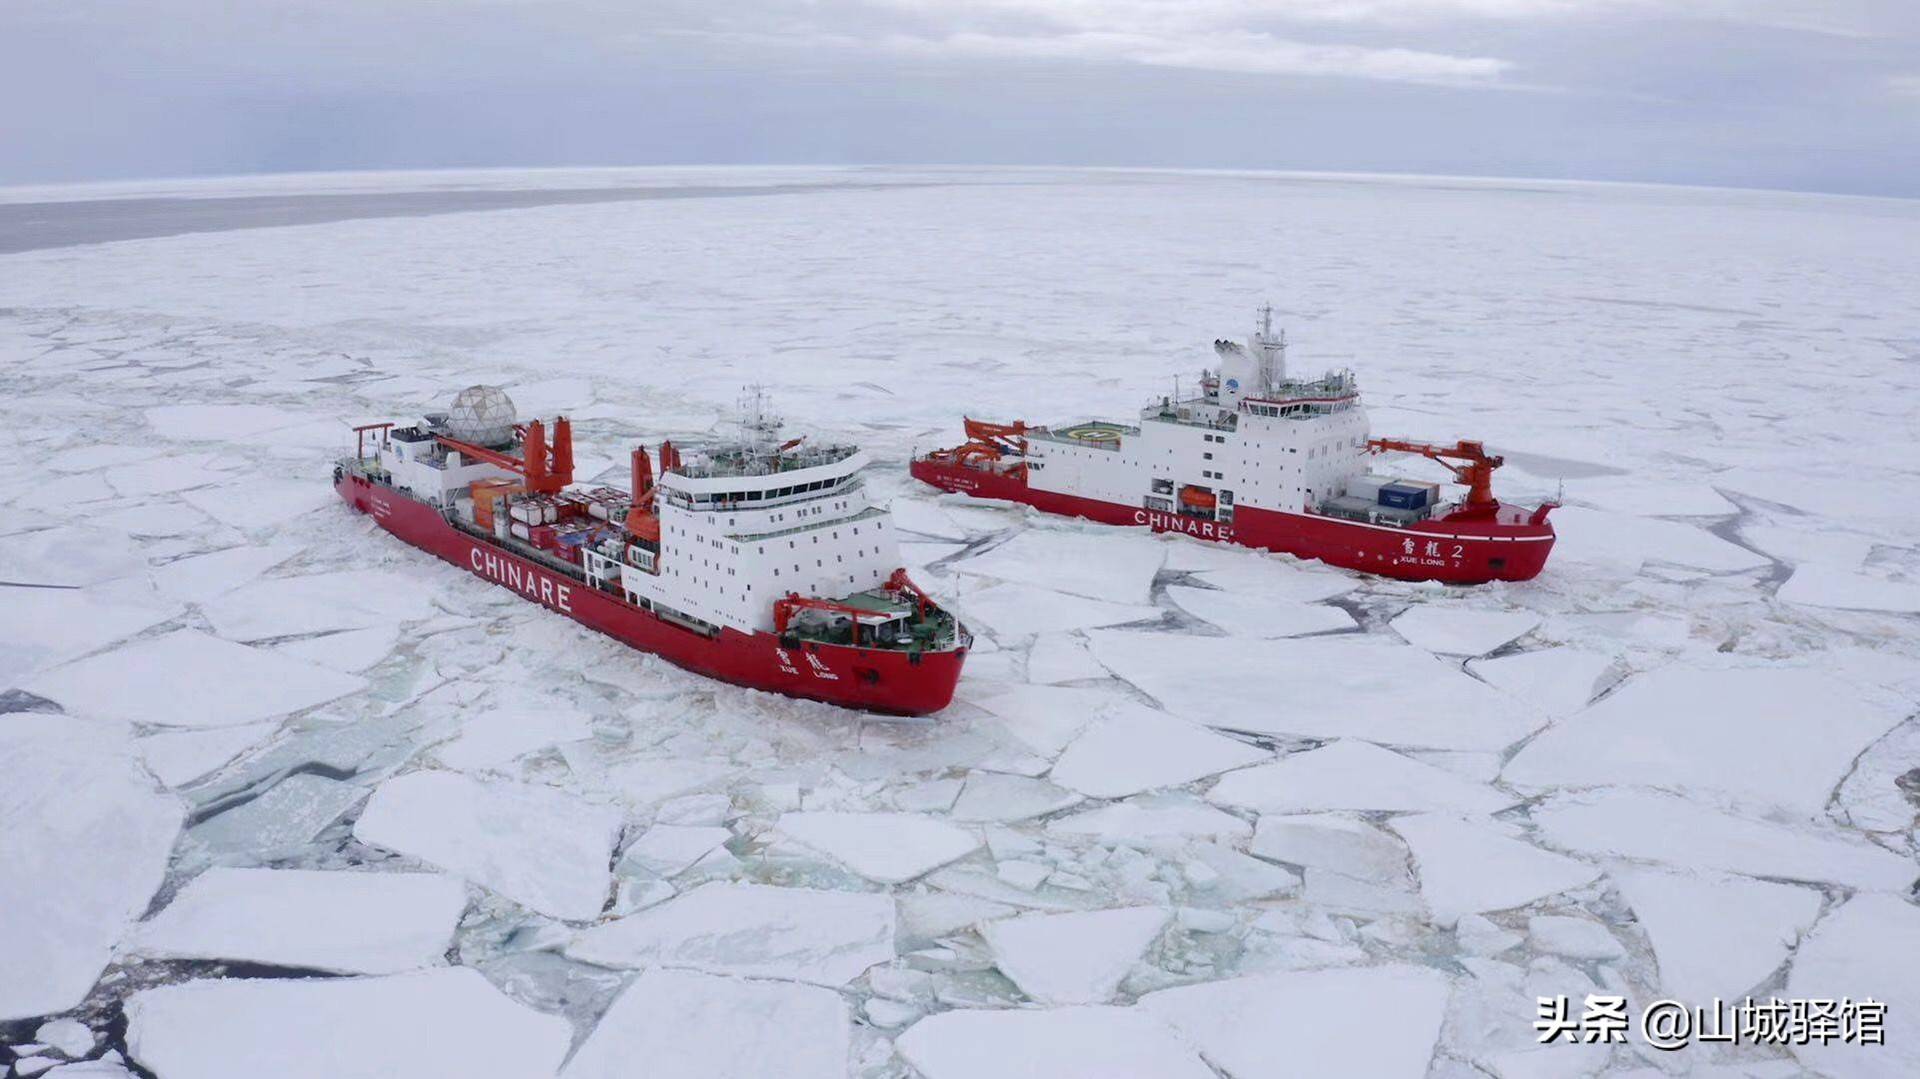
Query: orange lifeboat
[[1198, 498]]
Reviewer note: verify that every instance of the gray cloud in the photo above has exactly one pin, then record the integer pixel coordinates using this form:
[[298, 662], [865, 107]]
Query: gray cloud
[[1794, 93]]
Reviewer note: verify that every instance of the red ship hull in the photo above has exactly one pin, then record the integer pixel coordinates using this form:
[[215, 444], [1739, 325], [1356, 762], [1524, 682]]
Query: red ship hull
[[874, 680], [1458, 549]]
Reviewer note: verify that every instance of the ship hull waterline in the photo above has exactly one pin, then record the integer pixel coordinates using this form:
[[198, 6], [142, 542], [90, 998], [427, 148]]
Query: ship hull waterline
[[1449, 550], [874, 680]]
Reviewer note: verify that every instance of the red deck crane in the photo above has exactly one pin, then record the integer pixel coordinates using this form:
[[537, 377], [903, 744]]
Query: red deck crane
[[542, 477], [1475, 467]]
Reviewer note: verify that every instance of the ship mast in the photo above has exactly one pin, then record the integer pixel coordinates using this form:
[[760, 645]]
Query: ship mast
[[1271, 351]]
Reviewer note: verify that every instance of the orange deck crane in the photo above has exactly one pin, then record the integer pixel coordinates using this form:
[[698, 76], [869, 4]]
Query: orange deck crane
[[1475, 467], [548, 470], [791, 604]]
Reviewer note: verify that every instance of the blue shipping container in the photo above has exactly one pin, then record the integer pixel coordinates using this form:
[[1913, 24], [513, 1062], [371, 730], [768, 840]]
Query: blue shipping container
[[1403, 497]]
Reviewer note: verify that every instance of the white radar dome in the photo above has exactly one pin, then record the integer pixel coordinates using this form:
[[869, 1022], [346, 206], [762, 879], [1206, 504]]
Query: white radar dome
[[482, 415]]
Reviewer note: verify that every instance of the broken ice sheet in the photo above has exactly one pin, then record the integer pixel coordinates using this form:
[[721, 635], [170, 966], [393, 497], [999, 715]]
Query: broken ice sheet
[[1364, 687], [1660, 827], [751, 930], [1473, 866], [435, 1022], [1351, 774], [1015, 610], [1133, 749], [1776, 735], [339, 921], [1452, 630], [281, 822], [83, 849], [1817, 585], [688, 1025], [45, 627], [1072, 958], [890, 848], [1557, 681], [319, 603], [1329, 1021], [189, 679], [1716, 936], [540, 847], [1863, 948], [1113, 566], [1054, 1043], [178, 758], [996, 796], [1257, 616]]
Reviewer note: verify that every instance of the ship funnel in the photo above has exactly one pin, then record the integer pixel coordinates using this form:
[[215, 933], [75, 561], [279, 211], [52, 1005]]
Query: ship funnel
[[534, 450], [563, 450]]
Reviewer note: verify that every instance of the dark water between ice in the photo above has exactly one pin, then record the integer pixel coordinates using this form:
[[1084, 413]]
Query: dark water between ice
[[33, 226]]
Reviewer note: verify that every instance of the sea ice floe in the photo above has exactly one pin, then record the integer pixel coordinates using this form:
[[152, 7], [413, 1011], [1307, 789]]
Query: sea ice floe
[[667, 850], [259, 504], [1109, 565], [679, 1024], [1863, 949], [281, 822], [1015, 610], [1557, 681], [199, 578], [219, 423], [1257, 616], [1044, 719], [540, 847], [1573, 938], [1474, 866], [178, 758], [494, 735], [1715, 936], [1652, 498], [70, 556], [1151, 820], [1328, 1021], [997, 796], [1333, 687], [45, 627], [164, 475], [1331, 842], [319, 603], [437, 1022], [923, 517], [189, 679], [352, 650], [1072, 958], [890, 848], [1741, 731], [1133, 749], [84, 848], [1086, 1042], [1279, 579], [337, 921], [1817, 585], [1618, 539], [1460, 631], [1061, 657], [1350, 774], [1656, 826], [751, 930], [69, 1037]]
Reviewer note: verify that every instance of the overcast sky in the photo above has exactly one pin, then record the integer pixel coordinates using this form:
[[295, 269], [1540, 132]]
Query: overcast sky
[[1805, 94]]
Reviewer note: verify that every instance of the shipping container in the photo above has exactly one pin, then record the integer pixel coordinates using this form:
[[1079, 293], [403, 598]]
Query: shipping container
[[1404, 496]]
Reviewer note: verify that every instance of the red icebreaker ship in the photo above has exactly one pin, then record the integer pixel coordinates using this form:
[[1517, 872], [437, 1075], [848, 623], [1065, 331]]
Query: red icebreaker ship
[[755, 561], [1261, 460]]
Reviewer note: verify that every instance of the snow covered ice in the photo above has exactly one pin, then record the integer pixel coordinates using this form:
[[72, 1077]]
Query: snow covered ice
[[282, 793]]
